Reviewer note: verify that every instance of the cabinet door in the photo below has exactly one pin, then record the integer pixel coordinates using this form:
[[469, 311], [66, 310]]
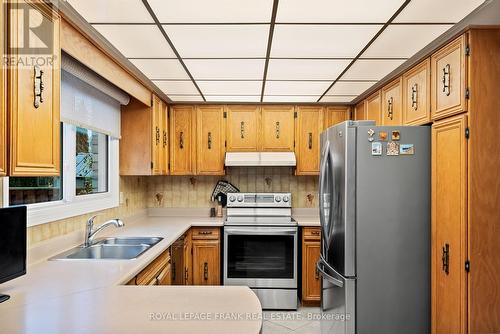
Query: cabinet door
[[182, 140], [360, 111], [34, 118], [335, 115], [165, 131], [211, 140], [392, 103], [206, 262], [188, 259], [373, 108], [416, 94], [277, 128], [243, 128], [3, 105], [165, 276], [156, 128], [311, 282], [308, 127], [177, 268], [449, 227], [449, 78]]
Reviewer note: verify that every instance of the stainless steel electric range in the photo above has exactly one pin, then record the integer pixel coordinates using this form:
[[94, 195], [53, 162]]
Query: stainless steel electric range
[[260, 247]]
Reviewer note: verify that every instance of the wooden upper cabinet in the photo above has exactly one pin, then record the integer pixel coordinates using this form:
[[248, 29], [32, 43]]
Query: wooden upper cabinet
[[449, 225], [392, 103], [182, 140], [210, 140], [308, 128], [243, 128], [335, 115], [416, 94], [360, 111], [33, 94], [449, 77], [164, 156], [373, 111], [3, 105], [156, 134], [277, 128]]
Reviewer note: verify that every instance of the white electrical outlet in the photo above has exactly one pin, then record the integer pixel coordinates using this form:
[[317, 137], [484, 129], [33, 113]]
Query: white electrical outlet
[[122, 197]]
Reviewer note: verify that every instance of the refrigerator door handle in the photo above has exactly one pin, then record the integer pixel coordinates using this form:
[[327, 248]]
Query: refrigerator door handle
[[321, 265], [324, 160]]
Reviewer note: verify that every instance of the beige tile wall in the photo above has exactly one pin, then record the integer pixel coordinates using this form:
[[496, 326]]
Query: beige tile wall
[[186, 191]]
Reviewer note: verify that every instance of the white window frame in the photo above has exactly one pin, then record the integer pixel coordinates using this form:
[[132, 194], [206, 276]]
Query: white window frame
[[72, 205]]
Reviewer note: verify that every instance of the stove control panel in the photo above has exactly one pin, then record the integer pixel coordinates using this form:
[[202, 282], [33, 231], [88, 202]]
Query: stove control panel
[[271, 200]]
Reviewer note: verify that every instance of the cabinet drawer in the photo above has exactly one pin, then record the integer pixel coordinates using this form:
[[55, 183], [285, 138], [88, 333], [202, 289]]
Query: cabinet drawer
[[449, 77], [416, 94], [205, 233], [152, 271], [311, 233]]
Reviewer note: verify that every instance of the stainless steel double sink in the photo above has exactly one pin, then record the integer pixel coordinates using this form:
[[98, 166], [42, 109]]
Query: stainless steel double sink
[[124, 248]]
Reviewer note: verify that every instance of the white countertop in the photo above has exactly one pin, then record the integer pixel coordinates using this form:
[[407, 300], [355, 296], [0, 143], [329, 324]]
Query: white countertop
[[87, 295]]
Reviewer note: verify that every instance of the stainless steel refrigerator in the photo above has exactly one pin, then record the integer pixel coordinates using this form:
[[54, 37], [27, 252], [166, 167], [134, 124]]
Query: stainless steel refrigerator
[[375, 217]]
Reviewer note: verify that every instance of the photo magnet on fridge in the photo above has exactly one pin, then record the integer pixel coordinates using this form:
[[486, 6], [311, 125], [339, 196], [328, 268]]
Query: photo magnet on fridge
[[395, 135], [376, 148], [406, 149], [382, 135], [392, 148]]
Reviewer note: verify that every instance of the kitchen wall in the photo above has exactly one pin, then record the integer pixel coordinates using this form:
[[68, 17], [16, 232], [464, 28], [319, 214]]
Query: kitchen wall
[[195, 191]]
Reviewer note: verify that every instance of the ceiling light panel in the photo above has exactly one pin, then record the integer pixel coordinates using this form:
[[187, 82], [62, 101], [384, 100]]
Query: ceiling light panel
[[305, 69], [403, 41], [350, 87], [186, 98], [177, 87], [137, 40], [226, 69], [161, 68], [337, 11], [230, 87], [321, 41], [296, 87], [232, 98], [290, 99], [338, 99], [212, 41], [374, 70], [442, 11], [112, 11], [213, 11]]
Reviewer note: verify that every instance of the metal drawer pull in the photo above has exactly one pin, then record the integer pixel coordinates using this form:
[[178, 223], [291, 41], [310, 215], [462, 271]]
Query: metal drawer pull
[[38, 86], [446, 258], [205, 232], [181, 140], [157, 136], [446, 79], [277, 130], [315, 232], [414, 96], [209, 140], [205, 271], [242, 130], [390, 107], [310, 140]]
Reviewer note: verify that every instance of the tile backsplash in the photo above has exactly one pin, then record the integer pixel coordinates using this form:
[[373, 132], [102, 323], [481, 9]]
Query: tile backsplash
[[195, 191]]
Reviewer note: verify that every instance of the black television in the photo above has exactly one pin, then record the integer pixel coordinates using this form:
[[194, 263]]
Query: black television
[[13, 230]]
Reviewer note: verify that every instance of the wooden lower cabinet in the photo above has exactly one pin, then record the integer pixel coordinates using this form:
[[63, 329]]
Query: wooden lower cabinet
[[157, 272], [311, 280], [188, 259], [206, 262]]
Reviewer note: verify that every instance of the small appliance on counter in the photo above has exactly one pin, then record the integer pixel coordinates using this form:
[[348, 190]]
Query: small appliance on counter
[[13, 230]]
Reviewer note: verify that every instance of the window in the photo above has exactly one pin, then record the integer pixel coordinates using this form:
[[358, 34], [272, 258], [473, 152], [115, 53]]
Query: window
[[29, 190], [91, 162]]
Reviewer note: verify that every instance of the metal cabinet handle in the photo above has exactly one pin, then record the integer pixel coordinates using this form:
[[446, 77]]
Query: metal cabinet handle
[[38, 86], [209, 140], [414, 96], [390, 106], [277, 130], [164, 138], [173, 271], [186, 274], [446, 258], [205, 232], [315, 232], [205, 271], [181, 140], [316, 275], [157, 136], [242, 130], [446, 79], [310, 145]]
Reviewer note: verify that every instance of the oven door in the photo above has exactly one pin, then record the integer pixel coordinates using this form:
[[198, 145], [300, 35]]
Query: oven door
[[260, 257]]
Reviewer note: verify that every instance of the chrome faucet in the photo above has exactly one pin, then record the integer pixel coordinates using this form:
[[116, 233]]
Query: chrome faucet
[[90, 232]]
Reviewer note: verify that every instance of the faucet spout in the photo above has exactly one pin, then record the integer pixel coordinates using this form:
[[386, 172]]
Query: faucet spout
[[90, 232]]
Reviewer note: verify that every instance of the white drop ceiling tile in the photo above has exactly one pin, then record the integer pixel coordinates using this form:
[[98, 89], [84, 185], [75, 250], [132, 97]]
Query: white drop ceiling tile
[[161, 68], [112, 11], [321, 41], [441, 11], [290, 99], [226, 69], [337, 11], [230, 87], [177, 87], [305, 69], [232, 98], [403, 41], [212, 41], [338, 98], [296, 87], [137, 40], [350, 87], [203, 11], [186, 98], [365, 69]]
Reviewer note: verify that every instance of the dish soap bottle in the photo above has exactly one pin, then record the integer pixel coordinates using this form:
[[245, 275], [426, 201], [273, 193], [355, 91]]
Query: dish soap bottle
[[219, 206]]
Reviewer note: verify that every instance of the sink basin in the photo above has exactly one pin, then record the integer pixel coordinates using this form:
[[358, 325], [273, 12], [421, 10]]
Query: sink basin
[[103, 252], [130, 241]]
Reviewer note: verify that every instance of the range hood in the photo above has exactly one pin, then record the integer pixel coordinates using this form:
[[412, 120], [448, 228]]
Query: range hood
[[256, 159]]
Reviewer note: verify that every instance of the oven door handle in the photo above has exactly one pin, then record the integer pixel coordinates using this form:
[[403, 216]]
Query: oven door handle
[[263, 231]]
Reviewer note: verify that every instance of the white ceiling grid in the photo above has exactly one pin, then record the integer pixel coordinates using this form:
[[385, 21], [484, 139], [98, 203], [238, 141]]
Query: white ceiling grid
[[220, 50]]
